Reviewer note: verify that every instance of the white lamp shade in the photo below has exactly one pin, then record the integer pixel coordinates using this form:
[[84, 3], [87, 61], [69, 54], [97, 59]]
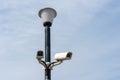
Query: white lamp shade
[[47, 15]]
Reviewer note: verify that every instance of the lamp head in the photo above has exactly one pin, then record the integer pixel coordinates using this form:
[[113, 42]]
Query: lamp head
[[47, 15]]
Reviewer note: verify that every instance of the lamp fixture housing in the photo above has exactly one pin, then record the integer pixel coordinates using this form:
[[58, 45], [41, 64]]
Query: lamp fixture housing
[[47, 15]]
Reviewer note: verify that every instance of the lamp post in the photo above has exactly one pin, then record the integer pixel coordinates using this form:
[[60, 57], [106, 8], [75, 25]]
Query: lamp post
[[47, 15]]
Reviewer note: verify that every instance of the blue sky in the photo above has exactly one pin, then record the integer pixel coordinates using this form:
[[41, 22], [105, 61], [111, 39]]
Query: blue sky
[[88, 28]]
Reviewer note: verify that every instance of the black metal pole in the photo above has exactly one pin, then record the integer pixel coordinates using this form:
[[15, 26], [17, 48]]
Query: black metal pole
[[47, 52]]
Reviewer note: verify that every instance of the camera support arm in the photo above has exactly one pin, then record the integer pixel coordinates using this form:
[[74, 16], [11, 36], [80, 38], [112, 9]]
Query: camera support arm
[[48, 65]]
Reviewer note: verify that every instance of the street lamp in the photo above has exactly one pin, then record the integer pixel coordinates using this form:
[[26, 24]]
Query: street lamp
[[47, 15]]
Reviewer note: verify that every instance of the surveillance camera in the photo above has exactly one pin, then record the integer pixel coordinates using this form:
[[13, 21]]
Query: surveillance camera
[[39, 55], [63, 56]]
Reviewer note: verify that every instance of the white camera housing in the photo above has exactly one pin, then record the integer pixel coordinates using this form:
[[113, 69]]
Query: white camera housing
[[63, 56], [39, 55]]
